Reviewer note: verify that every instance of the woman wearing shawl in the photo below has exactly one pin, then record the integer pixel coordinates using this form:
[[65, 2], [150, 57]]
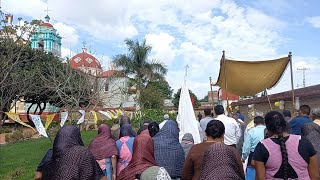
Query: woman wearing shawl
[[125, 147], [311, 131], [104, 149], [186, 143], [143, 165], [70, 159], [168, 151], [144, 126], [220, 161]]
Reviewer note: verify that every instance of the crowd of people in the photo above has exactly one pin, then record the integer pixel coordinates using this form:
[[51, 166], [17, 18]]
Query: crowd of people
[[275, 147]]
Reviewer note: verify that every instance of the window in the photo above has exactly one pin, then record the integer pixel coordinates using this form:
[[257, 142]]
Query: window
[[78, 59], [106, 87], [89, 60]]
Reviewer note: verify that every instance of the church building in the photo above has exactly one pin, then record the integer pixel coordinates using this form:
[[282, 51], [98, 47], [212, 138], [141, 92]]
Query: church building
[[47, 38]]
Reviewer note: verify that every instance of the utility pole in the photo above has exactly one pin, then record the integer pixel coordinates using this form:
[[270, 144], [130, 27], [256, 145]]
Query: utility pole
[[211, 93], [304, 69]]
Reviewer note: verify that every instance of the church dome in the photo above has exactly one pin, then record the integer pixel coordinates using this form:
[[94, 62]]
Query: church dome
[[47, 25], [85, 60]]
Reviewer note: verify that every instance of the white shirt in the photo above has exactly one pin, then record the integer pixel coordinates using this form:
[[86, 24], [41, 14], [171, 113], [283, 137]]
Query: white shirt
[[232, 130], [162, 124]]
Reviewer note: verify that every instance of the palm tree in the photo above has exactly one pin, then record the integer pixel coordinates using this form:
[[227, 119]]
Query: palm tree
[[136, 65]]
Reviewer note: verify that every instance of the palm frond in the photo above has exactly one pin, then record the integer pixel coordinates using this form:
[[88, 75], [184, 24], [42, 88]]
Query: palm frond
[[124, 63]]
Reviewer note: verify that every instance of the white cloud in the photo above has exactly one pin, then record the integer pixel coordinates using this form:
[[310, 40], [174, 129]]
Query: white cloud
[[69, 35], [181, 32], [314, 21], [32, 8], [162, 47], [67, 52]]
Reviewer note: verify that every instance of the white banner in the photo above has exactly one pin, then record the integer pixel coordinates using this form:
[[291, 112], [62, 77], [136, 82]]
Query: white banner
[[105, 113], [186, 117], [64, 117], [39, 126], [81, 120]]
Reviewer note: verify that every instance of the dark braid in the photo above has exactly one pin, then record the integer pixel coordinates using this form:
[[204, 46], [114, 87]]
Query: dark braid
[[276, 124]]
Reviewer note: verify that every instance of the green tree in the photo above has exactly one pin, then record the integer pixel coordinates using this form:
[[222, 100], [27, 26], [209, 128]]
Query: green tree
[[164, 87], [176, 98], [205, 99], [136, 65]]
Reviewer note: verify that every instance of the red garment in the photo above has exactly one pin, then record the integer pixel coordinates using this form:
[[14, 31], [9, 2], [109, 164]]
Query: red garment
[[142, 159], [103, 146]]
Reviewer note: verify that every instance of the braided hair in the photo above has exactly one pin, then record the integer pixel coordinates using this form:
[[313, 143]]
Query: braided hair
[[276, 124]]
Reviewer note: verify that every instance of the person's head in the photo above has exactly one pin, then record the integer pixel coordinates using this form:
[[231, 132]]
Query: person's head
[[126, 130], [153, 128], [166, 117], [207, 112], [286, 113], [146, 122], [115, 130], [315, 113], [124, 120], [275, 123], [142, 128], [104, 129], [215, 129], [238, 111], [170, 130], [187, 137], [276, 126], [304, 110], [67, 137], [258, 120], [218, 109], [235, 116]]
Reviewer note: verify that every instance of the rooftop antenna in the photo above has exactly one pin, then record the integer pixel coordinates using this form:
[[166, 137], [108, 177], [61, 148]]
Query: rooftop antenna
[[304, 69]]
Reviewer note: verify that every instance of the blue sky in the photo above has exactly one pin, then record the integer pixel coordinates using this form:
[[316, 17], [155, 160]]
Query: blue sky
[[188, 32]]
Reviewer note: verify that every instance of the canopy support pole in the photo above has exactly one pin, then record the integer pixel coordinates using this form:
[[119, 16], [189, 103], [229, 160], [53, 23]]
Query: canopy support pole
[[292, 86], [225, 80], [269, 100]]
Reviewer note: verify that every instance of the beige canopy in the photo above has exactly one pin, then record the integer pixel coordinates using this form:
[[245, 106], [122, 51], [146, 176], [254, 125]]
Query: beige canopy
[[247, 78]]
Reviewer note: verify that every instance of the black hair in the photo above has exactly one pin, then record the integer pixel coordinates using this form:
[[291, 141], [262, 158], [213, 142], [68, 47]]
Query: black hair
[[305, 109], [286, 113], [153, 128], [215, 129], [276, 124], [258, 120], [207, 112], [218, 109]]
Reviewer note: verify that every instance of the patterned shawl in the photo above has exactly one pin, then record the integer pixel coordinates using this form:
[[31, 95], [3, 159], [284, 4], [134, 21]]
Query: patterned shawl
[[186, 143], [103, 146], [221, 162], [311, 131], [168, 151], [126, 130], [142, 159], [70, 159]]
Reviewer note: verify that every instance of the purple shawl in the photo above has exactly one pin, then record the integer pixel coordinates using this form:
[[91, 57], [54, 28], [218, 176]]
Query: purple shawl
[[126, 130], [70, 159], [103, 145]]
